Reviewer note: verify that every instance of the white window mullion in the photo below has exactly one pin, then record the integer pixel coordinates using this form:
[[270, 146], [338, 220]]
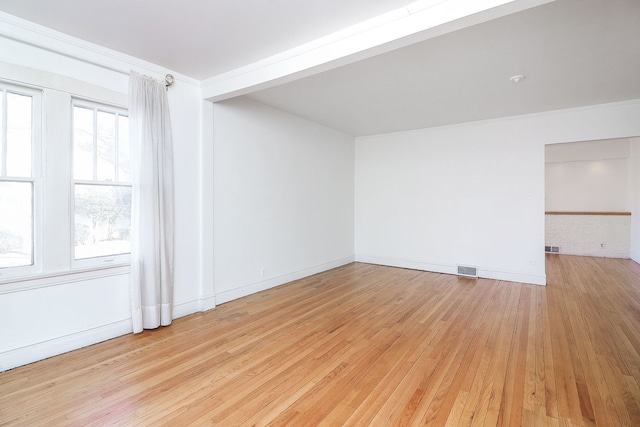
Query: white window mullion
[[57, 182], [95, 143], [36, 137], [116, 163], [37, 168], [3, 126], [38, 224]]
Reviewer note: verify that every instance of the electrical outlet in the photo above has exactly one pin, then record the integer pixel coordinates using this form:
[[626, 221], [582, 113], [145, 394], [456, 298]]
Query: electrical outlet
[[262, 272], [532, 262], [601, 245]]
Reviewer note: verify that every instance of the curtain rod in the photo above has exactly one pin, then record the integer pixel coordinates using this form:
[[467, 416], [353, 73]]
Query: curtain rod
[[168, 79]]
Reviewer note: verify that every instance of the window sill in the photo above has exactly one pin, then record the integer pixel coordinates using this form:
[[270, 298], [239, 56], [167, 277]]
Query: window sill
[[24, 283]]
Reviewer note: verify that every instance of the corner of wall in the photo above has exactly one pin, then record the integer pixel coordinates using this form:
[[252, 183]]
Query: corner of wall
[[262, 285], [635, 200]]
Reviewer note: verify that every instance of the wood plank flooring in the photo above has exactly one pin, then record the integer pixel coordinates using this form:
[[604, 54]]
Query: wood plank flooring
[[366, 345]]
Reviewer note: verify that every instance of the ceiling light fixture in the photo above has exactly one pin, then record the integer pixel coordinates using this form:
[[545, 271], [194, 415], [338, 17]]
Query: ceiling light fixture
[[517, 79]]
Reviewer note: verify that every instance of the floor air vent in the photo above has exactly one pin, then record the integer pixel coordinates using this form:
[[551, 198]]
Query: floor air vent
[[552, 249], [467, 271]]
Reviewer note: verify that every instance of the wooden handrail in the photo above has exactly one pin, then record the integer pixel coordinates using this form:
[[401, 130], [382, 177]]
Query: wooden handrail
[[589, 213]]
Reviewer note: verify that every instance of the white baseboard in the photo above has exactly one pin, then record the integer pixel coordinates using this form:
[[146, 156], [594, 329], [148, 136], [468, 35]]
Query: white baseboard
[[635, 256], [32, 353], [405, 263], [452, 269], [208, 303], [187, 308], [263, 285], [510, 276]]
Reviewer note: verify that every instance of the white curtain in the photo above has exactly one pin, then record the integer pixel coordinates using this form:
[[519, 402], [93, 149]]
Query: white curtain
[[152, 214]]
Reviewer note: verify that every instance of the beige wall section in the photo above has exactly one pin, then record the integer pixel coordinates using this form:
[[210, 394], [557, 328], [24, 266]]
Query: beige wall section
[[588, 176]]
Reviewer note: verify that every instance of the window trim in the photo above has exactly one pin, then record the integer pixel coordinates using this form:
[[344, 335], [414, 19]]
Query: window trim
[[44, 280]]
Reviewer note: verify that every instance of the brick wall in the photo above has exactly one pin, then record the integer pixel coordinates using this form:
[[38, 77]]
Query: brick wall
[[590, 235]]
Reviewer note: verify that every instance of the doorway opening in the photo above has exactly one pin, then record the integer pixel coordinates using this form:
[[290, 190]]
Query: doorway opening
[[590, 193]]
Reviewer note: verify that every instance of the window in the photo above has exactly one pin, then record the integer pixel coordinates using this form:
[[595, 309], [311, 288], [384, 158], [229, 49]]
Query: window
[[101, 181], [65, 180], [19, 178]]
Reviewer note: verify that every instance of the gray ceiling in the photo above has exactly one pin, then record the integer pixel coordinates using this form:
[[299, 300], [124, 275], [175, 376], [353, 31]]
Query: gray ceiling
[[572, 52], [199, 38]]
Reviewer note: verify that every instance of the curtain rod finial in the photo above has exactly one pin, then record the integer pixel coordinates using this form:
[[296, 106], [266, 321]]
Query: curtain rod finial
[[168, 79]]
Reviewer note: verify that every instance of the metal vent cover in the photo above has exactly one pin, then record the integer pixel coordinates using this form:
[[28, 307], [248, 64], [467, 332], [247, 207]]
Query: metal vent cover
[[464, 270], [552, 249]]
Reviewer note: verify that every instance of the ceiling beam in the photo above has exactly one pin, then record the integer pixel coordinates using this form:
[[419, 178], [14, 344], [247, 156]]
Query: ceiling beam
[[419, 21]]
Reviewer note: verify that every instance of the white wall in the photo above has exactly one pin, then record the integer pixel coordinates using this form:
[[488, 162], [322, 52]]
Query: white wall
[[283, 197], [589, 186], [44, 317], [635, 199], [470, 194], [185, 105], [591, 176]]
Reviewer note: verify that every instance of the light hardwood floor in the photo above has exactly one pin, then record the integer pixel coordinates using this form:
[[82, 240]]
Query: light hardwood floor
[[366, 345]]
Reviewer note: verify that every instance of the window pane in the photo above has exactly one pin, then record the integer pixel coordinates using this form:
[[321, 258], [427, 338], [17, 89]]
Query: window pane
[[19, 108], [82, 143], [16, 224], [106, 146], [124, 153], [102, 220]]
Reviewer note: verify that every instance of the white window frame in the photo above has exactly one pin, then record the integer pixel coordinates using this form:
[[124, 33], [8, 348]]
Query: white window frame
[[100, 261], [36, 176], [52, 171]]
